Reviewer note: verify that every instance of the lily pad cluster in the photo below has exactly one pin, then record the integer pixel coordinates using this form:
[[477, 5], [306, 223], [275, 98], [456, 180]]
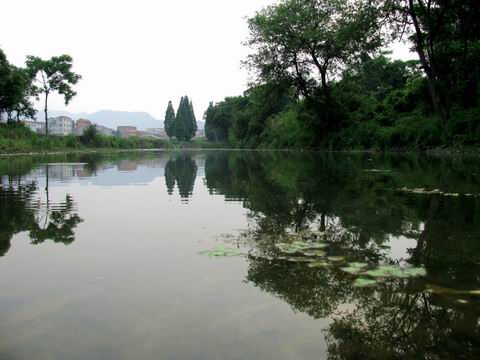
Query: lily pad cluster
[[314, 254], [301, 247], [354, 268], [301, 251], [394, 271], [221, 251], [369, 277]]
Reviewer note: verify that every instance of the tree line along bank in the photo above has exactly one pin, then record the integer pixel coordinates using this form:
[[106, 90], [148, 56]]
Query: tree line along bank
[[322, 77]]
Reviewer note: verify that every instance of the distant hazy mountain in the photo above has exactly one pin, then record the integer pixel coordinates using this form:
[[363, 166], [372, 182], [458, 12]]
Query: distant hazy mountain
[[112, 119], [55, 113]]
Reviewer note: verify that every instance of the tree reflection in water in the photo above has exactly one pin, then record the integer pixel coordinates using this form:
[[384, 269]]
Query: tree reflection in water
[[181, 170], [364, 215], [22, 209]]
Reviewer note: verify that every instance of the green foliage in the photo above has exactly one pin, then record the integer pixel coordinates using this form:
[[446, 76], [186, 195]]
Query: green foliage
[[185, 123], [53, 75], [16, 138], [320, 82], [90, 136], [15, 91], [284, 130], [169, 122]]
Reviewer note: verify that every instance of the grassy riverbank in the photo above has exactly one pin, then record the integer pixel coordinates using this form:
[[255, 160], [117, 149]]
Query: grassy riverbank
[[16, 138]]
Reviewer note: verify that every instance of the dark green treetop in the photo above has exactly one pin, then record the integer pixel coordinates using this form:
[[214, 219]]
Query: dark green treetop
[[185, 123]]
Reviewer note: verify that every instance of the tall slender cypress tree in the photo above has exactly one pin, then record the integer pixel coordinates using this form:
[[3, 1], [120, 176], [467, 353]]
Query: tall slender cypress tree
[[181, 120], [169, 122], [192, 121], [185, 123]]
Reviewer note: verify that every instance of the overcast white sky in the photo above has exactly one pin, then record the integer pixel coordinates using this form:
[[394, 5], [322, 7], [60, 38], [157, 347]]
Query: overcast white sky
[[137, 55]]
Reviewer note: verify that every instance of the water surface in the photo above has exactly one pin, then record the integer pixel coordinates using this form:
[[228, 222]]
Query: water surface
[[101, 256]]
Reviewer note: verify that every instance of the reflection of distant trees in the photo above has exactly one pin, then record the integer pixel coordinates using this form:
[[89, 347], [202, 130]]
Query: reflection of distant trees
[[398, 324], [15, 214], [312, 291], [58, 224], [22, 210], [361, 212], [182, 171]]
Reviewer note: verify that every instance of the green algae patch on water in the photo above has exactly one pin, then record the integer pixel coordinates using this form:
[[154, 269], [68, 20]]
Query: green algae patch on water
[[221, 251], [364, 282]]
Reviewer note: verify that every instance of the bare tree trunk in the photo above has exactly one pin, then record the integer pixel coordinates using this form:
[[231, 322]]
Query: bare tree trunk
[[46, 113], [428, 67]]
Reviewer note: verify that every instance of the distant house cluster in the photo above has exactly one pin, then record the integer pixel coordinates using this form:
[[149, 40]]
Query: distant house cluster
[[63, 125]]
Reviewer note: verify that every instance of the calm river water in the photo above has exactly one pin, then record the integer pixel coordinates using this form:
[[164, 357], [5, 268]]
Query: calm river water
[[335, 256]]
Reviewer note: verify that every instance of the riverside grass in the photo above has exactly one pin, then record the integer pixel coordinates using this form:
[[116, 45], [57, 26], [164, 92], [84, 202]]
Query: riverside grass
[[17, 139]]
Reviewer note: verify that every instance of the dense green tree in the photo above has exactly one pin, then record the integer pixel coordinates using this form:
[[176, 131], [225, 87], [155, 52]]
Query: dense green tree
[[309, 42], [193, 127], [169, 122], [243, 120], [185, 123], [53, 75], [15, 91], [90, 136], [446, 36], [220, 118]]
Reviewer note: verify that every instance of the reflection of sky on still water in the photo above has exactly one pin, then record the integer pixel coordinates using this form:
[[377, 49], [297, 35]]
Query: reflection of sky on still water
[[100, 257]]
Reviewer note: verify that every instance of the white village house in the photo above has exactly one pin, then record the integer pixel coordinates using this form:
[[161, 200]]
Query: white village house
[[60, 125]]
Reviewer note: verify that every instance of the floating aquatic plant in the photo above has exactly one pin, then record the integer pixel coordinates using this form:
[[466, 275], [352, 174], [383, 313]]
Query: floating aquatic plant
[[336, 258], [221, 251], [298, 246], [298, 259], [396, 271], [364, 282], [317, 253], [319, 263], [354, 268]]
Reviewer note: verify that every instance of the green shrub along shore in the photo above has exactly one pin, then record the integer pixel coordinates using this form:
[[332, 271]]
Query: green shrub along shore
[[16, 138]]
